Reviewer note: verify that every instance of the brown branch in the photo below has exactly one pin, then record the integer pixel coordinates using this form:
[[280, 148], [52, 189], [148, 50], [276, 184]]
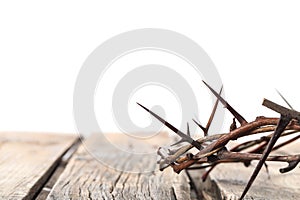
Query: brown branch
[[227, 155], [172, 158], [282, 110]]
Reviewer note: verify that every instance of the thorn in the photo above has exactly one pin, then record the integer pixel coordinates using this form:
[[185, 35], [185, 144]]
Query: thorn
[[233, 125], [161, 120], [142, 106], [188, 129], [283, 122], [200, 126], [267, 170], [213, 112], [239, 117], [175, 130], [182, 139], [284, 99], [195, 117], [178, 142]]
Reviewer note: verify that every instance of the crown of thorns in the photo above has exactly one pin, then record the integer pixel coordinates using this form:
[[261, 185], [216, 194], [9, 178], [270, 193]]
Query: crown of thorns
[[212, 148]]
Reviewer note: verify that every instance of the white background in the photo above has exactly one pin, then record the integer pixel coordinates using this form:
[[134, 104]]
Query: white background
[[255, 47]]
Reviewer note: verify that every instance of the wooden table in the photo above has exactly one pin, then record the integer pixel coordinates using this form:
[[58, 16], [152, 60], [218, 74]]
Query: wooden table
[[57, 166]]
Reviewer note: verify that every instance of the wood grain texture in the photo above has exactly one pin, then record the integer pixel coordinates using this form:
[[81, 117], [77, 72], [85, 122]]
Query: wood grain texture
[[119, 174], [58, 171], [27, 160], [227, 181]]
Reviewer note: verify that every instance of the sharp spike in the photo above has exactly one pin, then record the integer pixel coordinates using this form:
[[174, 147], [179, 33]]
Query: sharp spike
[[178, 142], [283, 122], [200, 126], [239, 117], [233, 125], [160, 119], [170, 126], [188, 129], [284, 99], [213, 112], [178, 132]]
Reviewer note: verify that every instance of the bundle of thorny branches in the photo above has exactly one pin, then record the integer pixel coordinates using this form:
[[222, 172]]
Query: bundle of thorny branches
[[212, 148]]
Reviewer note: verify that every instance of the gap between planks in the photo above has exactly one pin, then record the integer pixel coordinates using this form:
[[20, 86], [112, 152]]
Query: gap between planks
[[58, 170], [27, 160], [112, 177]]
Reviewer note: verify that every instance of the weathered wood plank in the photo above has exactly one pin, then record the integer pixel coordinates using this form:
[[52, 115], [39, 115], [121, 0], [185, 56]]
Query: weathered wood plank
[[27, 160], [57, 172], [227, 181], [87, 178]]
